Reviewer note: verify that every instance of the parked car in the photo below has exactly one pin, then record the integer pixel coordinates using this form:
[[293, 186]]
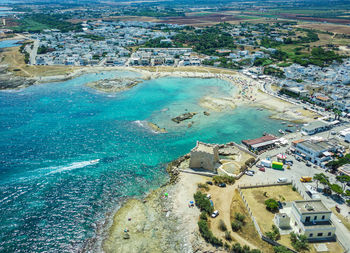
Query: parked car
[[222, 185], [249, 173], [289, 161], [262, 169], [298, 159], [308, 164], [282, 180], [208, 196], [280, 206], [209, 182], [215, 214]]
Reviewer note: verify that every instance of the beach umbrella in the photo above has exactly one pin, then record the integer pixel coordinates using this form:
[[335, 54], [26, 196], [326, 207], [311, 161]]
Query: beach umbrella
[[166, 194], [281, 156], [191, 202]]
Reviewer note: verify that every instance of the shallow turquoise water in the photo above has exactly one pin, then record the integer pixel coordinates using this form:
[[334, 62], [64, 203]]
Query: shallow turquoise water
[[52, 195], [8, 43]]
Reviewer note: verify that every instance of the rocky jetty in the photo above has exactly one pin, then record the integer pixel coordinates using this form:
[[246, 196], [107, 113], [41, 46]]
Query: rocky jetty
[[182, 117], [114, 85]]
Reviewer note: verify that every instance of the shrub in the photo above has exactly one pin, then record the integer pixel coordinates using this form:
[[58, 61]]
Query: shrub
[[249, 161], [240, 217], [203, 186], [223, 179], [271, 205], [299, 242], [203, 216], [207, 234], [294, 189], [243, 168], [226, 245], [274, 234], [222, 225], [203, 203], [281, 249], [228, 236], [236, 225]]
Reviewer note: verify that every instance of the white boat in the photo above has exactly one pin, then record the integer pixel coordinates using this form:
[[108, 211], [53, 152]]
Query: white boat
[[94, 161], [281, 132]]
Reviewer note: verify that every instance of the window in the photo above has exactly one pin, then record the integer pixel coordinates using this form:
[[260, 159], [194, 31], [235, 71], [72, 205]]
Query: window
[[307, 219], [329, 233], [323, 217], [319, 234], [311, 235], [315, 218]]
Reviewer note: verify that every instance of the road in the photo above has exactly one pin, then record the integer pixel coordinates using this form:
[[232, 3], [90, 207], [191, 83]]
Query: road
[[33, 52]]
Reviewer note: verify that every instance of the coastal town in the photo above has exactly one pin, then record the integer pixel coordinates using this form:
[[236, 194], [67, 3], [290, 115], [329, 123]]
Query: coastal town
[[286, 190]]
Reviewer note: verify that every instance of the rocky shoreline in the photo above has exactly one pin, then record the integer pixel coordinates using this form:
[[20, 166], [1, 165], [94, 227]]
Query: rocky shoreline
[[9, 81], [162, 221]]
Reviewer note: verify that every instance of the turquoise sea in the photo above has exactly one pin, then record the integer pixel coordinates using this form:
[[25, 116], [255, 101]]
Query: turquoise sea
[[53, 191], [8, 43]]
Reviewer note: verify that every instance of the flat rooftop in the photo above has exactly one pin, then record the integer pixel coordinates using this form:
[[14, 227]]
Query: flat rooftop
[[317, 146], [204, 147], [267, 138], [314, 125], [311, 206]]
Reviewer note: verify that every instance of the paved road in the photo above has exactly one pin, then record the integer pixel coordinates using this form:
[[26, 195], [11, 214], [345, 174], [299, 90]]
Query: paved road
[[33, 52]]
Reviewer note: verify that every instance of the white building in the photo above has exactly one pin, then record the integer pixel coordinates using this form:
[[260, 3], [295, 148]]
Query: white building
[[312, 219], [315, 127], [315, 151]]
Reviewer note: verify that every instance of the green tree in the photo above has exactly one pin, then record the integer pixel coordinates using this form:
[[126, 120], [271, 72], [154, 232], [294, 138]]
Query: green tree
[[321, 178], [271, 205], [299, 242], [344, 179], [336, 189]]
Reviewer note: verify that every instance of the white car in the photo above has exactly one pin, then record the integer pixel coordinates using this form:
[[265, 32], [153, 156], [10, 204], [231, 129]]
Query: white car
[[282, 180], [249, 173], [208, 196], [215, 214]]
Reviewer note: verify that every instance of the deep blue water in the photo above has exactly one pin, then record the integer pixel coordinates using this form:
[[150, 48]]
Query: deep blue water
[[52, 195]]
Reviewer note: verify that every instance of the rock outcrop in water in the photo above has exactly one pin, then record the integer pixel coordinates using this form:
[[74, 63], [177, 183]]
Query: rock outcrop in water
[[156, 128], [182, 117], [114, 85]]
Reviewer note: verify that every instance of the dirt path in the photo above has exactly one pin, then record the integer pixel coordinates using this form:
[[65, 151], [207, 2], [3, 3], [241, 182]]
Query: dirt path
[[222, 198]]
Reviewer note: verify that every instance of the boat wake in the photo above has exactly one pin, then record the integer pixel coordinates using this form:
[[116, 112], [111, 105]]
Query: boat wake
[[73, 166]]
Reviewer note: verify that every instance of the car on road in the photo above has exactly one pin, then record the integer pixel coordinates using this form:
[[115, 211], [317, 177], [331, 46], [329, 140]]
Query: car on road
[[308, 164], [282, 180], [333, 133], [262, 169], [298, 159], [215, 214], [222, 185]]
